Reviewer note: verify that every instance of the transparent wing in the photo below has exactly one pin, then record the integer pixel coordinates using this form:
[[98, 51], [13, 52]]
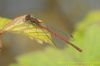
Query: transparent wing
[[55, 40]]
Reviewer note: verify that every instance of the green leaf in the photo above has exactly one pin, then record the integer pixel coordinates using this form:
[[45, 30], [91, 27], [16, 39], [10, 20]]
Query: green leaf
[[18, 25], [87, 36], [48, 57], [92, 18], [91, 44]]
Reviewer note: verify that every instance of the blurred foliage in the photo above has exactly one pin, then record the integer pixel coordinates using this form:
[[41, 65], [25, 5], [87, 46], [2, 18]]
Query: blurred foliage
[[48, 57], [92, 18], [86, 36]]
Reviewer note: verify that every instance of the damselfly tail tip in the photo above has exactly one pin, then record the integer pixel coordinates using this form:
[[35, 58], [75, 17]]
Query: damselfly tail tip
[[80, 50]]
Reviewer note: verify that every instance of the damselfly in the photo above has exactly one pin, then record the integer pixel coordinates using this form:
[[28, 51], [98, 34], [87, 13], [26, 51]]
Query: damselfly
[[20, 23], [34, 21]]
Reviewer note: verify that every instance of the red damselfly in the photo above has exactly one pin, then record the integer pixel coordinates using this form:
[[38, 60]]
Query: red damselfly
[[34, 21]]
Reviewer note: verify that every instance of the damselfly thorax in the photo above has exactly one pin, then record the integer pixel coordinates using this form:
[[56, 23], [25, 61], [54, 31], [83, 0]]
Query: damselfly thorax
[[32, 20]]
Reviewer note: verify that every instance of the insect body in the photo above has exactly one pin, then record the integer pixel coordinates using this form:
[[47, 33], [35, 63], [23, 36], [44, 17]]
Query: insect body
[[37, 22]]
